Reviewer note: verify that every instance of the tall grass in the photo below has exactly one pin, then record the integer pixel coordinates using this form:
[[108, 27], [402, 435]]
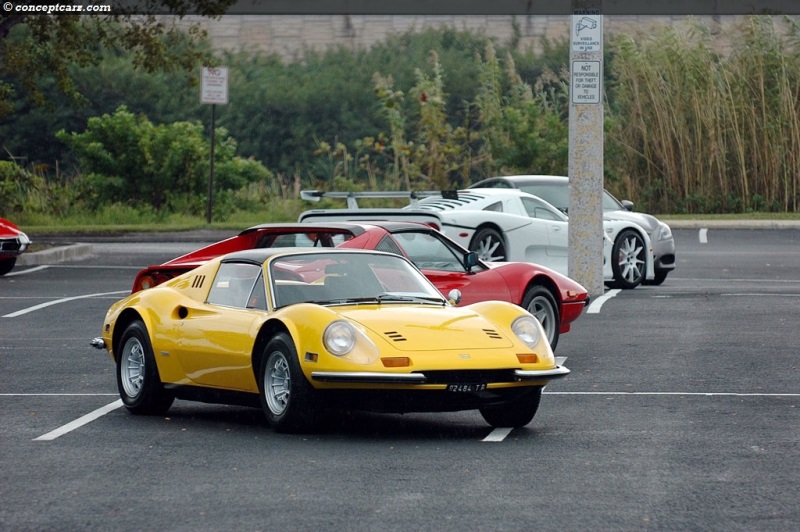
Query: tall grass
[[710, 131]]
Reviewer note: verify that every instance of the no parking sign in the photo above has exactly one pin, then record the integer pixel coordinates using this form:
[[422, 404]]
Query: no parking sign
[[214, 85]]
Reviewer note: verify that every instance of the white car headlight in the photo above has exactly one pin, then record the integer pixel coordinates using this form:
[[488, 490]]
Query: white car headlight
[[339, 338], [527, 329], [24, 242], [664, 232]]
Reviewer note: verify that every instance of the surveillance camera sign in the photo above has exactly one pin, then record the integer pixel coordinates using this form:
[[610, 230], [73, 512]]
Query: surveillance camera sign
[[587, 31]]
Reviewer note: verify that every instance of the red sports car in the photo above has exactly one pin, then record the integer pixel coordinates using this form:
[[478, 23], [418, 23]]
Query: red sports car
[[12, 243], [553, 298]]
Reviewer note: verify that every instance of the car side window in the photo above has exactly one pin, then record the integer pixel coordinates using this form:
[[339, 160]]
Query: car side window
[[388, 245], [258, 296], [538, 209], [495, 207], [234, 284]]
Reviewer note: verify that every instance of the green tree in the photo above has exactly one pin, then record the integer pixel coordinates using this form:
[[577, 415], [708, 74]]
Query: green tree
[[127, 159], [37, 47]]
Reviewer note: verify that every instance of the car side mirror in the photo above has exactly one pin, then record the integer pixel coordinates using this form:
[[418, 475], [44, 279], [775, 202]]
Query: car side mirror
[[470, 260], [454, 296], [628, 204]]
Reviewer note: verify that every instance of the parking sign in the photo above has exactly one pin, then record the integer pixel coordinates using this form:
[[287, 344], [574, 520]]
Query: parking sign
[[214, 86]]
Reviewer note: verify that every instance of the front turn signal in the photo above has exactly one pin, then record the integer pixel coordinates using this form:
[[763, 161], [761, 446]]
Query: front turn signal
[[396, 362], [527, 358]]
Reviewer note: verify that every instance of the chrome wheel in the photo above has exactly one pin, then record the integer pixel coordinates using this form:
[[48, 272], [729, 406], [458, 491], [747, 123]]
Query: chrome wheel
[[630, 261], [277, 383], [287, 398], [138, 381], [132, 367]]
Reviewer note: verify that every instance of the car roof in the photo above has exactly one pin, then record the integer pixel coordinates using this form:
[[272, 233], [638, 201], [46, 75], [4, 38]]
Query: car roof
[[525, 179], [305, 227], [356, 228], [259, 255]]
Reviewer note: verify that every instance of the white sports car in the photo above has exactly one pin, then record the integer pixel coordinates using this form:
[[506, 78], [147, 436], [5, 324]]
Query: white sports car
[[512, 225], [505, 225], [555, 190]]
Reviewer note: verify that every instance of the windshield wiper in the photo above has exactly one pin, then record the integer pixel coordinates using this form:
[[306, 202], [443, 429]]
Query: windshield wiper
[[383, 298], [411, 299]]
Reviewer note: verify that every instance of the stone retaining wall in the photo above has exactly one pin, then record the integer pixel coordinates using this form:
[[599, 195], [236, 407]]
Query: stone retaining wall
[[291, 35]]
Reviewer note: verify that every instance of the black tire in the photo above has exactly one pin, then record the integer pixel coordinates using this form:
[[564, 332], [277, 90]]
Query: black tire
[[138, 382], [628, 260], [540, 302], [489, 245], [515, 414], [6, 265], [661, 276], [288, 399]]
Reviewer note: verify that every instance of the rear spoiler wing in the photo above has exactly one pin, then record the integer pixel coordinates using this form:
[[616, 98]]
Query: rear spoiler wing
[[352, 197]]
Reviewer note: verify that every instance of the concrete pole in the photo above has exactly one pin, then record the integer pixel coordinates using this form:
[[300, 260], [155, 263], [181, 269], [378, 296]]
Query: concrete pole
[[586, 146]]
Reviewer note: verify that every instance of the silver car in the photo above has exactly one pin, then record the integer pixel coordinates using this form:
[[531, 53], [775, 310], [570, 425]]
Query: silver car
[[555, 190]]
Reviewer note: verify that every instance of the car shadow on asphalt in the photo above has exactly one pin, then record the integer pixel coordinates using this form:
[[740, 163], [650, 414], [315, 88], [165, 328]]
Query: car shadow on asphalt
[[467, 425]]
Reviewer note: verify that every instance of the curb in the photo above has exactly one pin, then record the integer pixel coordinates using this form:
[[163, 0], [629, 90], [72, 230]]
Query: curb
[[56, 255], [733, 224]]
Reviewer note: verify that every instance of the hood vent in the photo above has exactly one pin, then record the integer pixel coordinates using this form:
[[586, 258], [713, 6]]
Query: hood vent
[[494, 335], [395, 336]]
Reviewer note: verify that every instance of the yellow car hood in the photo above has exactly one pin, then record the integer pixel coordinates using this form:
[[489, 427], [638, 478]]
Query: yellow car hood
[[427, 328]]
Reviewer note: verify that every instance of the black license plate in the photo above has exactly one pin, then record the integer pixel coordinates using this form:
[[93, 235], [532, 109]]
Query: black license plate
[[466, 388]]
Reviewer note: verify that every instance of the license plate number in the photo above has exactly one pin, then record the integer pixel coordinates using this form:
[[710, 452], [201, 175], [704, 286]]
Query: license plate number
[[466, 387]]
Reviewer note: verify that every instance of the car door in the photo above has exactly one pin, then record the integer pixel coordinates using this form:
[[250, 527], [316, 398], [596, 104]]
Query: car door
[[442, 262], [556, 226], [214, 341]]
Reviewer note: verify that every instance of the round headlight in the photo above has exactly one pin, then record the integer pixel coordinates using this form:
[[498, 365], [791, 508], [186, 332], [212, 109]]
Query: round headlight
[[527, 329], [339, 338]]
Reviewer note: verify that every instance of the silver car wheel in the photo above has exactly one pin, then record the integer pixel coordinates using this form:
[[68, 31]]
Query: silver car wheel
[[631, 267], [132, 367], [277, 383]]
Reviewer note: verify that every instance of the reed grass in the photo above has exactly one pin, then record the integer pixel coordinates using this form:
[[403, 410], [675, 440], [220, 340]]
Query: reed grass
[[706, 130]]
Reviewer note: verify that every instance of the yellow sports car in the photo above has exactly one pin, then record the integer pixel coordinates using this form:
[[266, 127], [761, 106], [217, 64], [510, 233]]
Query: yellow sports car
[[297, 331]]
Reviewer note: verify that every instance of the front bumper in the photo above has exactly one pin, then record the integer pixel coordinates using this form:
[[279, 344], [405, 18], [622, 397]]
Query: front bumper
[[98, 343], [436, 378], [663, 253]]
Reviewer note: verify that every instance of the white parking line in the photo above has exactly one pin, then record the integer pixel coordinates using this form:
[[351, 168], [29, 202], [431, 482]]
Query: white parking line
[[81, 421], [703, 236], [23, 272], [690, 394], [62, 300], [594, 306], [498, 434]]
